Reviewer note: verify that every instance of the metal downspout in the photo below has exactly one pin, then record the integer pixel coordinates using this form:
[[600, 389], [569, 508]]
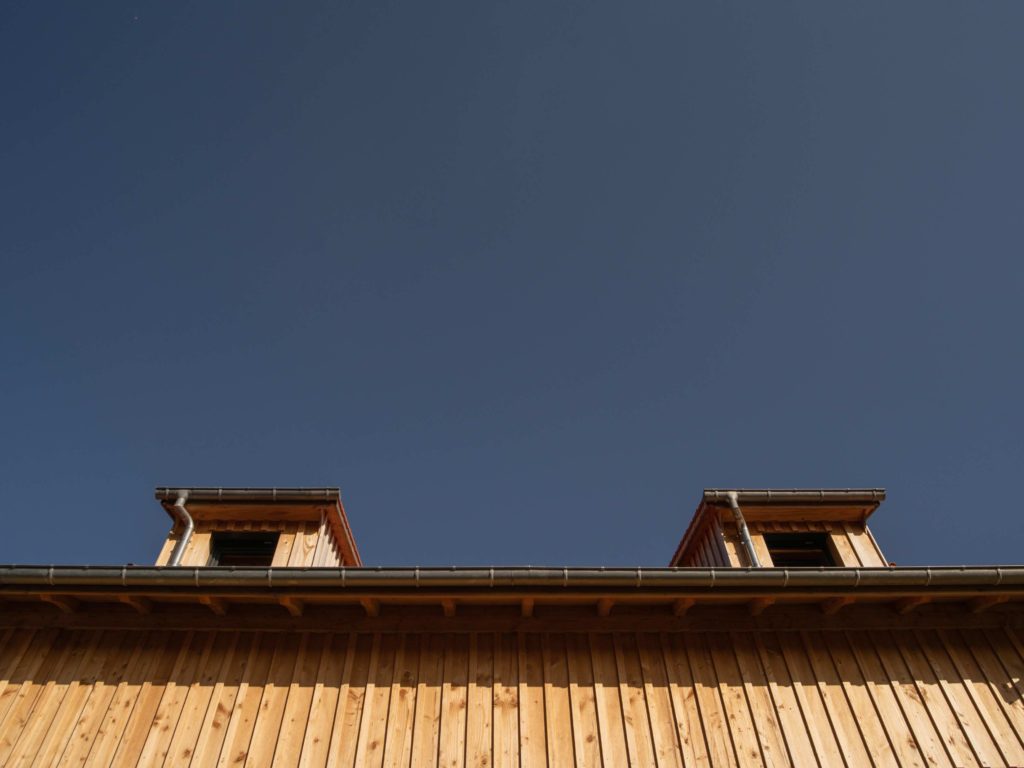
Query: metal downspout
[[748, 544], [182, 515]]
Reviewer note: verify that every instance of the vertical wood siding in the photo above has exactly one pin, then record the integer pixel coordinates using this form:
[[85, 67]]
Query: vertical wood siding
[[238, 698], [301, 544]]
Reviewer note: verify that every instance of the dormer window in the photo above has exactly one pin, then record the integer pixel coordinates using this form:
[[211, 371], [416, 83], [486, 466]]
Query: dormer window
[[257, 528], [799, 550], [784, 528], [255, 550]]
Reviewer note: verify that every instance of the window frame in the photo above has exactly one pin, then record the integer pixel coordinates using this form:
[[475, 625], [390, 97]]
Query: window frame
[[261, 545]]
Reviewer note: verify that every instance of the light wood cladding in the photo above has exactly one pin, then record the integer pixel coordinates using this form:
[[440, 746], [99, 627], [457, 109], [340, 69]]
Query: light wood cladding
[[302, 544], [326, 527], [717, 543], [907, 697]]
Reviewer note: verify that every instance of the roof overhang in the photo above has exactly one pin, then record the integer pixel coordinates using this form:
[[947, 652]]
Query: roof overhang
[[88, 592]]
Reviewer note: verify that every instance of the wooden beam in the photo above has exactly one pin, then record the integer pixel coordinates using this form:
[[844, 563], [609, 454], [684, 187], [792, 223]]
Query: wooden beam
[[371, 606], [64, 603], [682, 605], [980, 604], [448, 606], [833, 605], [141, 604], [757, 606], [907, 604], [292, 604], [507, 619], [215, 604], [604, 606], [526, 607]]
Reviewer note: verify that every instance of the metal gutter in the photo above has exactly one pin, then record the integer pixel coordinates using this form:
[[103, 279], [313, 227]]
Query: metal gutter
[[398, 579], [796, 495], [251, 494]]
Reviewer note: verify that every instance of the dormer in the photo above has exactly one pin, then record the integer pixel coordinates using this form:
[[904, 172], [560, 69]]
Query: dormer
[[789, 528], [257, 527]]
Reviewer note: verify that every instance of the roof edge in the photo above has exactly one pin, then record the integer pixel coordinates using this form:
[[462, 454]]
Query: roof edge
[[170, 493], [196, 579], [795, 495]]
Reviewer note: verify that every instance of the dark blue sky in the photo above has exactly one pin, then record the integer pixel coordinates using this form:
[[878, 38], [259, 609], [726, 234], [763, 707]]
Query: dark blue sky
[[521, 278]]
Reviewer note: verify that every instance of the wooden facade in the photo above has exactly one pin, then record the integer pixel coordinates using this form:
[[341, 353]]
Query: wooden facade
[[898, 697], [136, 675]]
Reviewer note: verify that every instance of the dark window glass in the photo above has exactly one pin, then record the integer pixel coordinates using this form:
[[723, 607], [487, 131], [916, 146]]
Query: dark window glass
[[252, 549], [799, 550]]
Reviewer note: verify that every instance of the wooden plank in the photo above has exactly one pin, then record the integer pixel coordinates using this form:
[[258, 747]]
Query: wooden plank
[[607, 701], [685, 710], [805, 686], [718, 539], [833, 695], [238, 735], [639, 741], [1004, 678], [427, 724], [843, 550], [285, 542], [83, 709], [15, 644], [81, 736], [506, 701], [300, 697], [532, 728], [335, 660], [24, 655], [210, 739], [480, 700], [787, 708], [665, 736], [64, 653], [874, 543], [905, 736], [730, 538], [915, 711], [164, 556], [168, 665], [862, 544], [287, 656], [557, 711], [863, 707], [373, 727], [1010, 697], [153, 650], [716, 727], [909, 665], [759, 699], [585, 729], [165, 721], [304, 546], [197, 551], [53, 713], [452, 748], [197, 699], [734, 699], [925, 650], [320, 551], [351, 698], [402, 711]]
